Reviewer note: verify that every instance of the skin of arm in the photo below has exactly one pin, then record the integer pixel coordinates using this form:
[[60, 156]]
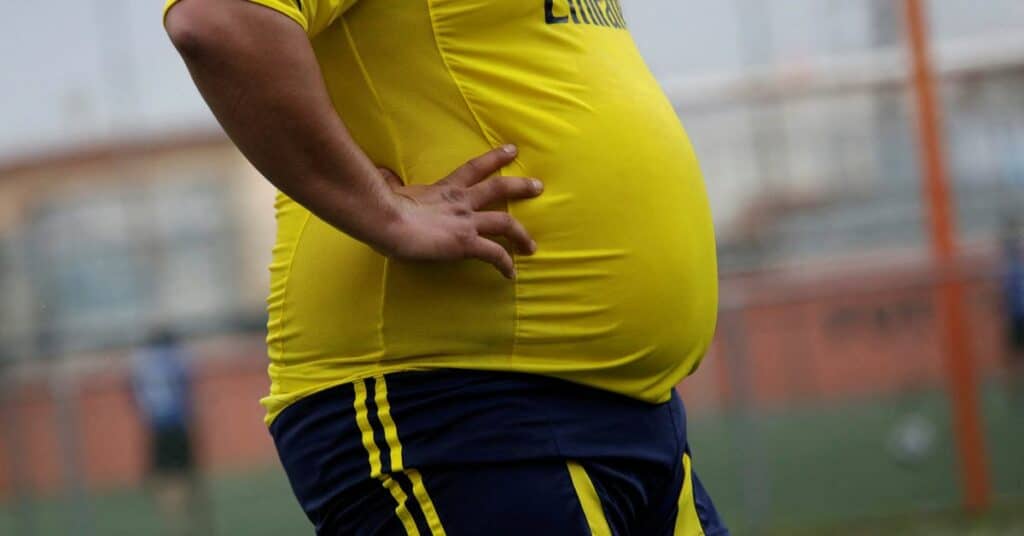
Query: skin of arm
[[257, 72]]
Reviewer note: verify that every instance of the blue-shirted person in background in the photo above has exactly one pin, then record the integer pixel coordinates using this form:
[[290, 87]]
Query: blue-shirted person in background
[[1013, 293], [162, 385]]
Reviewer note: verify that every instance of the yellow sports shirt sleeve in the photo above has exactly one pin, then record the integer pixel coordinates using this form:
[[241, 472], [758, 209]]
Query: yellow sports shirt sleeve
[[321, 13], [312, 15]]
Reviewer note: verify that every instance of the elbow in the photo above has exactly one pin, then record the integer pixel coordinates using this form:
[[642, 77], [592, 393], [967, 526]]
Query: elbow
[[192, 28]]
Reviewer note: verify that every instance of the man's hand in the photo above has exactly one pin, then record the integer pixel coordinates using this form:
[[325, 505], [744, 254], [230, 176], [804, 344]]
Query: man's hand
[[448, 220]]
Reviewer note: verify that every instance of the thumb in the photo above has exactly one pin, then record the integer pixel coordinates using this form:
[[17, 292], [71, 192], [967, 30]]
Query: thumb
[[391, 178]]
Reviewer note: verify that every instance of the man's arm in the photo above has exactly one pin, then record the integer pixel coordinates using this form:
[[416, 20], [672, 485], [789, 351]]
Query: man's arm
[[256, 70]]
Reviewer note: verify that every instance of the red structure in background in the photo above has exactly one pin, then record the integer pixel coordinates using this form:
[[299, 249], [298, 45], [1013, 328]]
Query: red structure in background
[[953, 320], [230, 434], [839, 339]]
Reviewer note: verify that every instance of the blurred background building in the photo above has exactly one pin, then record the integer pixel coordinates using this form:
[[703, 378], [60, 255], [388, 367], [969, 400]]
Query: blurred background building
[[823, 404]]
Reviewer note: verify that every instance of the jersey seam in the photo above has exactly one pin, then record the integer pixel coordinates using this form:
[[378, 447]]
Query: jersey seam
[[493, 142], [392, 132], [287, 288], [388, 123]]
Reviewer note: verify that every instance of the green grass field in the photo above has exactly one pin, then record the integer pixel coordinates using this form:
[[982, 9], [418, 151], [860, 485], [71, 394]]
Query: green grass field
[[258, 503], [1004, 520], [830, 466], [816, 470]]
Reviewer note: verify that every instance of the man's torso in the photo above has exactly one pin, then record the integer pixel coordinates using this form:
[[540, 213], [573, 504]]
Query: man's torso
[[621, 294]]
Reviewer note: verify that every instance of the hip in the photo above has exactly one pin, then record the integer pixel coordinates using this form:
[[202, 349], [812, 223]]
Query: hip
[[334, 440]]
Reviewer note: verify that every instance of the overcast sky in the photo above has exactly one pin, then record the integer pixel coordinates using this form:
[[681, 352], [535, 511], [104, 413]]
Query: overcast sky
[[103, 69]]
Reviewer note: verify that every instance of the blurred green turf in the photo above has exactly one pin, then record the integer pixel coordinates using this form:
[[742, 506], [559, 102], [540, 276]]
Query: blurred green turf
[[259, 503], [1005, 519], [832, 465], [822, 470]]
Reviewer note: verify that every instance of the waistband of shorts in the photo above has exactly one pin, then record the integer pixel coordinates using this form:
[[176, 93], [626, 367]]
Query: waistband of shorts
[[445, 417]]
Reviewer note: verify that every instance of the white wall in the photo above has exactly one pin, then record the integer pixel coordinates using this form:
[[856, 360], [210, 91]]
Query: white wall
[[85, 70]]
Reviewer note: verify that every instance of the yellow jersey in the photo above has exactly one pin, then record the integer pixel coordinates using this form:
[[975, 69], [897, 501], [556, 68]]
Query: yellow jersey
[[622, 292]]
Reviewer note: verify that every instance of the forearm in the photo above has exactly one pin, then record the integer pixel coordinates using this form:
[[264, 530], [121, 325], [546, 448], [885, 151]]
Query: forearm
[[257, 71]]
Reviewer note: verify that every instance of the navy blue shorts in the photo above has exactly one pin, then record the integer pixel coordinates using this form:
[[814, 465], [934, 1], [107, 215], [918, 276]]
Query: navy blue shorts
[[484, 453]]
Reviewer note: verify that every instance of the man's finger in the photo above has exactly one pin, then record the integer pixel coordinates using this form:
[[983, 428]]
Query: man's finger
[[391, 178], [483, 166], [491, 252], [503, 224], [500, 189]]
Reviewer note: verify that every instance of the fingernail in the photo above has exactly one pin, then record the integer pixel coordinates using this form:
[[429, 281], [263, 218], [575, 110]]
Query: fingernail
[[537, 185], [533, 246], [510, 149]]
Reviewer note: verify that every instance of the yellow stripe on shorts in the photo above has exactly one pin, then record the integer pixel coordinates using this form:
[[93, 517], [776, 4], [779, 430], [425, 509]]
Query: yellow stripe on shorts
[[391, 436], [420, 491], [589, 500], [390, 430], [687, 522], [363, 421]]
